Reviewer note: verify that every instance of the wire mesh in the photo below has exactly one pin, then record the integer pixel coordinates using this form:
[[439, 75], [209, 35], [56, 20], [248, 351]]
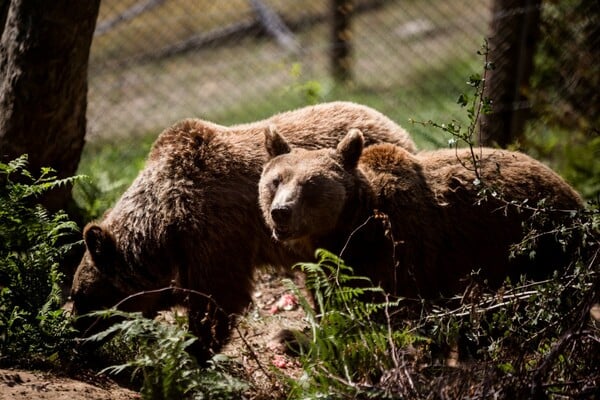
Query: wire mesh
[[154, 62]]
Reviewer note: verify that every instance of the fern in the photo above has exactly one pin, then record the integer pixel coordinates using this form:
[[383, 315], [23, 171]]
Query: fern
[[352, 341], [32, 244], [166, 368]]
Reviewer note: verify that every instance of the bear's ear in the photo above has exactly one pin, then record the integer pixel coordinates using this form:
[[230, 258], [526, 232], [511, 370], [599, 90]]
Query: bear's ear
[[275, 143], [350, 148], [101, 245]]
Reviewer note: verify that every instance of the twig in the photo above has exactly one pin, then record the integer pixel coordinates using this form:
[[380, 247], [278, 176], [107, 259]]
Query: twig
[[573, 333], [255, 357], [389, 328], [353, 233]]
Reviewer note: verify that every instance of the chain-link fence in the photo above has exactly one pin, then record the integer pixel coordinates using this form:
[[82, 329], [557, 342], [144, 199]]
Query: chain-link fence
[[157, 61]]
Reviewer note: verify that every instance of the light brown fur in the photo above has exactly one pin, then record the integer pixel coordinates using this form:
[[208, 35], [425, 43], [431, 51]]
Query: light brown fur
[[442, 229], [191, 218]]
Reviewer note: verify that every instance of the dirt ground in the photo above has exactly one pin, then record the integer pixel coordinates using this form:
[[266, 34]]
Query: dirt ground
[[26, 385], [251, 347]]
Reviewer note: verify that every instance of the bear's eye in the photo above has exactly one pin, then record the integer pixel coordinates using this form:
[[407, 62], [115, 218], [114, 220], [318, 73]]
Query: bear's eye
[[275, 182]]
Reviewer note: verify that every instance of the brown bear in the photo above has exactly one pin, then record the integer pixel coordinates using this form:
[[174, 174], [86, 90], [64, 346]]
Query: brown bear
[[191, 218], [438, 227]]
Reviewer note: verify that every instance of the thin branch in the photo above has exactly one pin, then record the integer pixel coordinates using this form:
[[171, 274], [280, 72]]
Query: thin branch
[[255, 358], [389, 328]]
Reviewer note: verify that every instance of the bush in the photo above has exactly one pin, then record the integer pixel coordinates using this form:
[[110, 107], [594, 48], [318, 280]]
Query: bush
[[167, 370], [32, 244], [352, 342]]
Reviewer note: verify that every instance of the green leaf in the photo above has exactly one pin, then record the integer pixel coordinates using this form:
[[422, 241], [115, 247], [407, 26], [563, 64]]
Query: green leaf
[[463, 99]]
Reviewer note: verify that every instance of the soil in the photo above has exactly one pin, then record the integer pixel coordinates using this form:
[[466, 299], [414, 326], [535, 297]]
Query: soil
[[252, 347], [26, 385], [254, 342]]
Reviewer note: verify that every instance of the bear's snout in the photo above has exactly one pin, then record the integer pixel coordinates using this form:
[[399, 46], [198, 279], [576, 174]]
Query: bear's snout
[[282, 225], [281, 214]]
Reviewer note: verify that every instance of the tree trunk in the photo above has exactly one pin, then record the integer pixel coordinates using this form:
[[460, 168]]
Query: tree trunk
[[44, 52], [514, 32]]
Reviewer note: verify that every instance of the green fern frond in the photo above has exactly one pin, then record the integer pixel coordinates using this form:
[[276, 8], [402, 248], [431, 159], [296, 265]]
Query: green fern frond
[[30, 256], [18, 164], [351, 338], [167, 369]]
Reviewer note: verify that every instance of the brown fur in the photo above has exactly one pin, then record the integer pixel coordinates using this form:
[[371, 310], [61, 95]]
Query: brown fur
[[327, 199], [191, 218]]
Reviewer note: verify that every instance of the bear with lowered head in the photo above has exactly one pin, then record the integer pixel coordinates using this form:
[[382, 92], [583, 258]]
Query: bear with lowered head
[[190, 220], [415, 224]]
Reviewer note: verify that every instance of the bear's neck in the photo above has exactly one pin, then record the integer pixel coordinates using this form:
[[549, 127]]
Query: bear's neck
[[358, 211]]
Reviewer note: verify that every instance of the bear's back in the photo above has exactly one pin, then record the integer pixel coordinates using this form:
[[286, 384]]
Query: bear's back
[[509, 174], [443, 226], [341, 117]]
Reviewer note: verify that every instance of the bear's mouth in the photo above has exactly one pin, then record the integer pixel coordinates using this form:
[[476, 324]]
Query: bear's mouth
[[282, 233]]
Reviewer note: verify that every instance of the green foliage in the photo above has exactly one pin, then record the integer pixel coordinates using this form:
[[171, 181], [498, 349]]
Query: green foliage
[[311, 91], [565, 89], [111, 166], [352, 342], [564, 93], [94, 196], [167, 370], [475, 105], [32, 243], [573, 153]]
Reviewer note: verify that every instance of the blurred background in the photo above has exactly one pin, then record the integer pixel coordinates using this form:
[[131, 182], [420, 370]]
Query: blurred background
[[154, 62]]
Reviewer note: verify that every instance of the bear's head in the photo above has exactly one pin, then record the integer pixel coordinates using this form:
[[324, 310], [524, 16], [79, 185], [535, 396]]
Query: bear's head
[[95, 286], [303, 193]]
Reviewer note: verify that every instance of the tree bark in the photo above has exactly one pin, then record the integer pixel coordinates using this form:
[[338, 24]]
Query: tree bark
[[44, 52], [514, 32]]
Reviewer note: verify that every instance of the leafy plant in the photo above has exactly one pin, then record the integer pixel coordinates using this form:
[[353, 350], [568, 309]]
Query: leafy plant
[[32, 244], [352, 342], [95, 196], [475, 104], [564, 97], [167, 370], [526, 334], [311, 91], [564, 92]]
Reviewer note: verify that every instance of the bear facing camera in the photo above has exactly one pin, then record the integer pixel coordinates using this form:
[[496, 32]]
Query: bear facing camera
[[437, 228]]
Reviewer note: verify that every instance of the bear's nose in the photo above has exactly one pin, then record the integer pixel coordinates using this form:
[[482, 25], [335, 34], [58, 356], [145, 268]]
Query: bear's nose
[[281, 214]]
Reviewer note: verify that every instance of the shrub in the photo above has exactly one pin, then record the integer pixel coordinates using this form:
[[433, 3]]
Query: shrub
[[167, 370], [564, 93], [32, 244], [352, 342]]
